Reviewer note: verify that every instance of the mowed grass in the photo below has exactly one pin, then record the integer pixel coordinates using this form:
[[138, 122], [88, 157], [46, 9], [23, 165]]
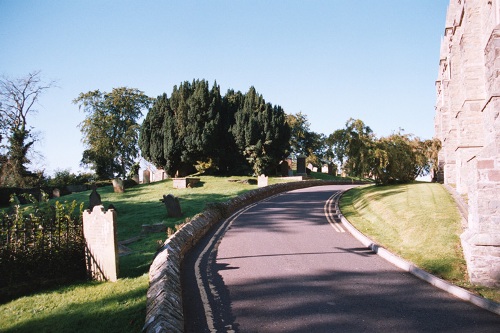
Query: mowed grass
[[419, 222], [120, 306]]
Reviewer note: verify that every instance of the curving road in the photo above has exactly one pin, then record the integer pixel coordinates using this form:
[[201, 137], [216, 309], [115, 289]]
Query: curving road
[[285, 264]]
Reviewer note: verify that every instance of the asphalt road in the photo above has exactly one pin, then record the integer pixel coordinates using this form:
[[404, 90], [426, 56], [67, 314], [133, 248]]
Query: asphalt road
[[285, 265]]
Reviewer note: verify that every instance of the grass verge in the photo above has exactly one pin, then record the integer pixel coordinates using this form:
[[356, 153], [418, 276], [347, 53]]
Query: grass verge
[[419, 222]]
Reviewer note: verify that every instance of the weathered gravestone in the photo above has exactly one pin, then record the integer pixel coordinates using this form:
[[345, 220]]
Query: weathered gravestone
[[262, 181], [94, 198], [118, 186], [101, 252], [301, 165], [146, 177], [173, 206], [284, 168], [56, 193]]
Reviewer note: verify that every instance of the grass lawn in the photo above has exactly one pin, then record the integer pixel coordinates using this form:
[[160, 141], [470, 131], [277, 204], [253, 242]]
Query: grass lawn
[[419, 222], [410, 218], [120, 306]]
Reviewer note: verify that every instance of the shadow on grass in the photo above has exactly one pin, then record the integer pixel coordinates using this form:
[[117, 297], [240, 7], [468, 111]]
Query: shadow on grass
[[121, 312]]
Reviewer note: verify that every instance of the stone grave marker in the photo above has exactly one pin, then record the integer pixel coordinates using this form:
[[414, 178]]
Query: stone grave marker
[[284, 168], [262, 181], [101, 252], [94, 198], [301, 165], [118, 186], [146, 177], [56, 193], [173, 206]]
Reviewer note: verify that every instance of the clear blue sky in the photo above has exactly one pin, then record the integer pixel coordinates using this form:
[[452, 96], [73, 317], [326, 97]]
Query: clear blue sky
[[331, 60]]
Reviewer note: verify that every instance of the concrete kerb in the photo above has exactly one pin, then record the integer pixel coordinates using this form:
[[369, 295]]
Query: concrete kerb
[[164, 297], [421, 274]]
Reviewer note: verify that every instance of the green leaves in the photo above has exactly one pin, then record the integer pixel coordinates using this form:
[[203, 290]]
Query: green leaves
[[234, 133], [110, 129], [398, 158]]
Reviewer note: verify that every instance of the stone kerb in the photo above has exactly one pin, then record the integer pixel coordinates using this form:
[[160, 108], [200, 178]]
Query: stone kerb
[[164, 311]]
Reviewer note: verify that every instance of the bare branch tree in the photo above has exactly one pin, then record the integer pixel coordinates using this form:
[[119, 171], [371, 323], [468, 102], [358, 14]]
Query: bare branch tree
[[18, 98]]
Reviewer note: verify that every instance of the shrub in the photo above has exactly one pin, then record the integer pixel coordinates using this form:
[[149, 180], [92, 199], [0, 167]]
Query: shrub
[[40, 245]]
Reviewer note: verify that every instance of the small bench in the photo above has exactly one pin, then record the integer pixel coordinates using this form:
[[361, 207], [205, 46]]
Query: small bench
[[185, 182]]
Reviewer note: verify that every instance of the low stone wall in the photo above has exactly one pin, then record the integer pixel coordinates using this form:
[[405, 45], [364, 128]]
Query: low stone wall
[[164, 311]]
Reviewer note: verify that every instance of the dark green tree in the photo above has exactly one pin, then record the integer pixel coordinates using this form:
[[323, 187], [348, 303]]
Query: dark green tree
[[229, 158], [152, 132], [110, 129], [261, 133], [193, 129]]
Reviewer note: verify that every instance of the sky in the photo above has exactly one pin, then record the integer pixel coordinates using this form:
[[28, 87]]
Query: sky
[[331, 60]]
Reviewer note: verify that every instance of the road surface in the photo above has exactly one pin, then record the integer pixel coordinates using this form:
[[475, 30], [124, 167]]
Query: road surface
[[285, 264]]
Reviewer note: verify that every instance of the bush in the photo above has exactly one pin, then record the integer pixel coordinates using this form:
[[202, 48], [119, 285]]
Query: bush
[[40, 245]]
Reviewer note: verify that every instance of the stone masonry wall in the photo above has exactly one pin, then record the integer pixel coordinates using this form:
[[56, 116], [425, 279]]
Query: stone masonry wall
[[467, 123]]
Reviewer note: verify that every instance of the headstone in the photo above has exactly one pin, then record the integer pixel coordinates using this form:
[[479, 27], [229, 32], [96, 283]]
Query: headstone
[[101, 253], [284, 168], [94, 198], [135, 178], [262, 181], [332, 169], [56, 193], [173, 206], [146, 177], [324, 168], [118, 185], [301, 165]]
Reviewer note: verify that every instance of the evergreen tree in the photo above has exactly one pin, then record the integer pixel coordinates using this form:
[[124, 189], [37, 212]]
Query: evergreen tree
[[229, 158], [261, 133], [152, 133]]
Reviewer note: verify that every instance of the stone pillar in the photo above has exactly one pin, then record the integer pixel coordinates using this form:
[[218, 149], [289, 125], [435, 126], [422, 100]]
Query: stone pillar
[[301, 165], [468, 125]]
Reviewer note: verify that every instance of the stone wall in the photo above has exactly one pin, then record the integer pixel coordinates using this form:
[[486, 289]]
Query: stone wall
[[164, 311], [466, 122]]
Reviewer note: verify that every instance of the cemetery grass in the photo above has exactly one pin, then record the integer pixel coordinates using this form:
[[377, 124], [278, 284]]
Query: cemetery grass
[[120, 306], [419, 222]]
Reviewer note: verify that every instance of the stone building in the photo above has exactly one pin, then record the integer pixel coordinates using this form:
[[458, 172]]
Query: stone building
[[468, 125]]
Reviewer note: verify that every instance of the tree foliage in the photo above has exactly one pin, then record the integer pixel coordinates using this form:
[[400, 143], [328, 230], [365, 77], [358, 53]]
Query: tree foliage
[[307, 142], [110, 129], [397, 158], [18, 99], [200, 127], [261, 132]]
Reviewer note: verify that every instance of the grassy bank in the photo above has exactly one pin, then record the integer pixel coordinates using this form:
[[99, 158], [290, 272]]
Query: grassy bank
[[121, 306], [419, 222]]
